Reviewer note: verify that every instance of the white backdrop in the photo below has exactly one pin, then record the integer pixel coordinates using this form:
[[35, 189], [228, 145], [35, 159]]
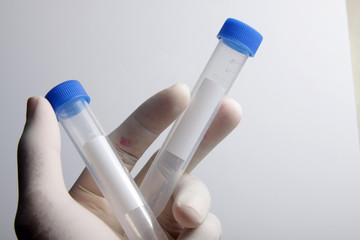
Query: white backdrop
[[289, 171]]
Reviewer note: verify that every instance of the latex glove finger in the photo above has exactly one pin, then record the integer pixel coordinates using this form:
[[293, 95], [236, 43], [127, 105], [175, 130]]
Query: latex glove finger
[[39, 164], [145, 124], [191, 202], [227, 118], [188, 208]]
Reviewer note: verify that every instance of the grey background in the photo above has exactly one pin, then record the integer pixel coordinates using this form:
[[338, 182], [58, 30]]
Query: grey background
[[290, 170]]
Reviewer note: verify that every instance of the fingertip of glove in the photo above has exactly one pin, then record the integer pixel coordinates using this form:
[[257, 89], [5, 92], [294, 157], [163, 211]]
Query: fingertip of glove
[[187, 216], [32, 103]]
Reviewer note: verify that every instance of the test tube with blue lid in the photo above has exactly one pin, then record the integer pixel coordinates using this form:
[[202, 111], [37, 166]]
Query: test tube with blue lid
[[70, 103], [237, 42]]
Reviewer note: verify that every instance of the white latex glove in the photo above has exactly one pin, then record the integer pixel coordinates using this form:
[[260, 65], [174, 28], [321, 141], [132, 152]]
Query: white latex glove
[[46, 210]]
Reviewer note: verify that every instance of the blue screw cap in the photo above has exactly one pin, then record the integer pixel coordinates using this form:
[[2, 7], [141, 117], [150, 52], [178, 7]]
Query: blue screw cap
[[65, 92], [240, 36]]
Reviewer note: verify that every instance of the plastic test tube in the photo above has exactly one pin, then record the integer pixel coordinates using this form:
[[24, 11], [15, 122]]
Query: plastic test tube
[[70, 103], [237, 41]]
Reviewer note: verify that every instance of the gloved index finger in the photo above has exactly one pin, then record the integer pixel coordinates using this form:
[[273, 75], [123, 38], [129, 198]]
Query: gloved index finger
[[145, 124]]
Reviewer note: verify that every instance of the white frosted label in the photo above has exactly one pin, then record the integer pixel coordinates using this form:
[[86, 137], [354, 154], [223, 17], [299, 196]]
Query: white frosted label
[[111, 177], [195, 121]]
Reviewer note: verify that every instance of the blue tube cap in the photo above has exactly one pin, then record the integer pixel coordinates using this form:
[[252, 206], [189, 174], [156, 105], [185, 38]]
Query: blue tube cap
[[240, 36], [65, 92]]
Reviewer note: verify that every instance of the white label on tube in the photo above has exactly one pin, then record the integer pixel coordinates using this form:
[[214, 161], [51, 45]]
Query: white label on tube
[[111, 176], [196, 119]]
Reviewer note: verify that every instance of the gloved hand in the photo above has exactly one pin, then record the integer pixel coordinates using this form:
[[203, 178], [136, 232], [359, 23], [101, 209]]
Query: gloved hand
[[46, 210]]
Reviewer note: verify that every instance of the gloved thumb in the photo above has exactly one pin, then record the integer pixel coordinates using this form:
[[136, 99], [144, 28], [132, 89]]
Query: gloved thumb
[[45, 208], [39, 162]]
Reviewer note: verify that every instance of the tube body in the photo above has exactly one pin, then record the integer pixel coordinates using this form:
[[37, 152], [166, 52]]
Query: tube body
[[111, 176], [190, 128]]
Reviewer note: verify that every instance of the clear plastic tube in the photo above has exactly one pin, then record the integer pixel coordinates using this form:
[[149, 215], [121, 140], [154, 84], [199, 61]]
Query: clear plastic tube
[[180, 145], [102, 161]]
